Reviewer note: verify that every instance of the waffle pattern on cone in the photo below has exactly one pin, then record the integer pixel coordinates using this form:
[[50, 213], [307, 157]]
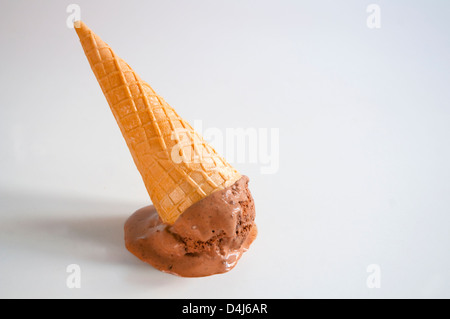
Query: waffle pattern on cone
[[177, 165]]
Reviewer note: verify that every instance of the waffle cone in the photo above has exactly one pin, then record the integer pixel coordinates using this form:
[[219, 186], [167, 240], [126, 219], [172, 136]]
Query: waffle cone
[[176, 164]]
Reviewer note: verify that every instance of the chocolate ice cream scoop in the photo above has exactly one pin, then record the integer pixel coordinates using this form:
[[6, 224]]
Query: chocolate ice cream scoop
[[208, 238]]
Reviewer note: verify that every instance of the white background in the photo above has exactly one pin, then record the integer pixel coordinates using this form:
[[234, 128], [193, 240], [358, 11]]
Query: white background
[[364, 122]]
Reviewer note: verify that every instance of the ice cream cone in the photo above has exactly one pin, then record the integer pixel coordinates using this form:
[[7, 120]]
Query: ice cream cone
[[176, 164]]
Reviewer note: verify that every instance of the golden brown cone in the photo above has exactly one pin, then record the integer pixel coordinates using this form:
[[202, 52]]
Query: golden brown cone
[[177, 166]]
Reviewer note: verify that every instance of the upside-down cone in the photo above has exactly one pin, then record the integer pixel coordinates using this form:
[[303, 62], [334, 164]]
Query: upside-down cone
[[177, 166]]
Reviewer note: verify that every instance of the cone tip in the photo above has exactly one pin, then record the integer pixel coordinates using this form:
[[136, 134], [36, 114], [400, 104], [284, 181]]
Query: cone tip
[[80, 27]]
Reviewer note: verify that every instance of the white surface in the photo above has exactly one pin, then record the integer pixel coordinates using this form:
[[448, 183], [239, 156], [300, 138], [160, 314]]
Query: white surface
[[363, 116]]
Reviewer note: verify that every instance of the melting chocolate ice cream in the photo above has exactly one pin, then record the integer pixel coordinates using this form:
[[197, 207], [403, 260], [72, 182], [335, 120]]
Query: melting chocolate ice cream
[[207, 239]]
